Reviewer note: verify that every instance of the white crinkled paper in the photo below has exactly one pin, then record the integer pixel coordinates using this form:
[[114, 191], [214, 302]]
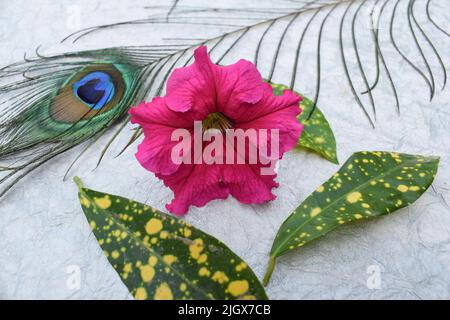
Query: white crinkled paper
[[44, 235]]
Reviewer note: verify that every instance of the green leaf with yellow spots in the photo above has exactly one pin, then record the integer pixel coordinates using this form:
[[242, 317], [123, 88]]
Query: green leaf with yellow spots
[[160, 257], [317, 135], [368, 185]]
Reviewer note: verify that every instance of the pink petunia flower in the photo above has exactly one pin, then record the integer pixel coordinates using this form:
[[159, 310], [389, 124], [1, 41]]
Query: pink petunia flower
[[222, 98]]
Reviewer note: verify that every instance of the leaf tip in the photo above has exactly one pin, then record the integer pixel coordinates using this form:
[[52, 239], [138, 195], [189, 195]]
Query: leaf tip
[[435, 158], [334, 159]]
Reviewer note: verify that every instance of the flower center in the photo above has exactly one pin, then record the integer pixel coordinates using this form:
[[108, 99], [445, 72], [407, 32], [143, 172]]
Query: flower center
[[216, 120]]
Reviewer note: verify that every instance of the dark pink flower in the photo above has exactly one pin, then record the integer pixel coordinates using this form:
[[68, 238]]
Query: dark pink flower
[[221, 97]]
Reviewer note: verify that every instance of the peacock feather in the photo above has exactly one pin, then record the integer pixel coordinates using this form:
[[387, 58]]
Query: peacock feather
[[50, 104], [60, 102]]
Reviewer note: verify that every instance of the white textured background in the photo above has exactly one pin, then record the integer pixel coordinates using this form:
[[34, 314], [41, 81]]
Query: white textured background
[[43, 230]]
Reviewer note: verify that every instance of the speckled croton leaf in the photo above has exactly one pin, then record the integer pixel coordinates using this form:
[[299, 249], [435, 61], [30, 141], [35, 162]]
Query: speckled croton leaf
[[160, 257], [368, 185], [317, 135]]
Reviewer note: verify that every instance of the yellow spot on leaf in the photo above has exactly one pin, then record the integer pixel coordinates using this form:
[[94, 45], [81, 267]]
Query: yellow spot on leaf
[[195, 248], [169, 259], [241, 266], [414, 188], [319, 140], [248, 297], [203, 257], [320, 189], [402, 188], [358, 216], [365, 205], [164, 234], [183, 287], [354, 197], [203, 272], [152, 261], [153, 226], [92, 224], [315, 212], [115, 254], [238, 287], [85, 202], [319, 228], [103, 203], [220, 277], [127, 268], [187, 232], [147, 273], [141, 294], [163, 292]]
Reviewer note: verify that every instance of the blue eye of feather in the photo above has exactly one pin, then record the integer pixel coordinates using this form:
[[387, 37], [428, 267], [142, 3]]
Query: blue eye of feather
[[95, 89]]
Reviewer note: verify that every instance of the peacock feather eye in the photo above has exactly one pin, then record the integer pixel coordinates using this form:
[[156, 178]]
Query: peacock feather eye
[[93, 90]]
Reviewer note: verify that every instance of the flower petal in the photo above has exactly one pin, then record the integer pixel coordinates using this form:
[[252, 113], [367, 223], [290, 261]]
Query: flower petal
[[246, 183], [194, 185], [157, 112], [158, 123], [275, 112], [205, 87], [192, 87], [268, 104], [239, 93]]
